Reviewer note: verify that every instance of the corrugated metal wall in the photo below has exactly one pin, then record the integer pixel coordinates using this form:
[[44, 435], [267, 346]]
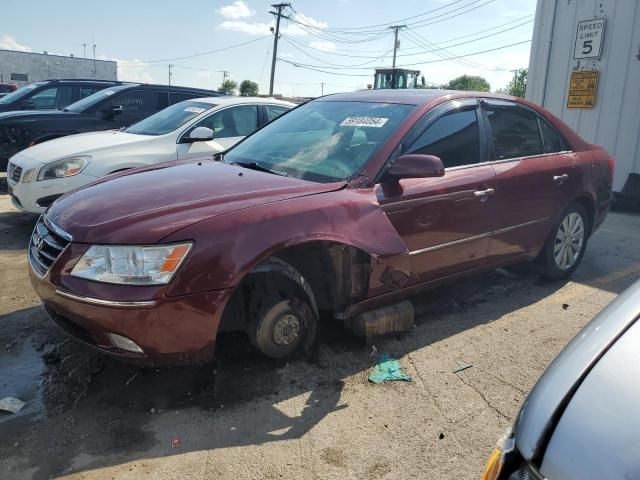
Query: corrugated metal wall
[[615, 120]]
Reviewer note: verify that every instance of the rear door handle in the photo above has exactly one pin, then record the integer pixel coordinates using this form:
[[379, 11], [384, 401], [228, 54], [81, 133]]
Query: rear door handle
[[560, 179], [484, 193]]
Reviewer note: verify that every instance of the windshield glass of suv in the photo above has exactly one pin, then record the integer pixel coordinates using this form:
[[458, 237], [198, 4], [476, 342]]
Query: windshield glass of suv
[[21, 92], [322, 141], [170, 118], [91, 100]]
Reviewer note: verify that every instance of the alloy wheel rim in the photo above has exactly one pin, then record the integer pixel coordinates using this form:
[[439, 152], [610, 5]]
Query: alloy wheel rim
[[568, 241], [286, 330]]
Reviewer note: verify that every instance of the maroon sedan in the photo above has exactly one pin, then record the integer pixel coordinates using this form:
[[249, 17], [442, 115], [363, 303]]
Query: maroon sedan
[[343, 205]]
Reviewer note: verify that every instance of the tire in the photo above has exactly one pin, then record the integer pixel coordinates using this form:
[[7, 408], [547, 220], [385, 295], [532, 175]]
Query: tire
[[285, 323], [562, 252]]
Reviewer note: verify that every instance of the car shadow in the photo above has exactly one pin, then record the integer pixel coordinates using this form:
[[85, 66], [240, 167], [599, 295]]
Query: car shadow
[[112, 413]]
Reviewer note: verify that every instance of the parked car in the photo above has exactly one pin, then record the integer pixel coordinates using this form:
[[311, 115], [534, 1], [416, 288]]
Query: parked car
[[344, 204], [50, 94], [40, 174], [579, 421], [7, 88], [110, 108]]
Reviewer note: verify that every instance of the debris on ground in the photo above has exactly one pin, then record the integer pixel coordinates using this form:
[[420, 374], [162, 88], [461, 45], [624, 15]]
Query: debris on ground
[[462, 368], [565, 306], [441, 436], [388, 369], [11, 404], [176, 442]]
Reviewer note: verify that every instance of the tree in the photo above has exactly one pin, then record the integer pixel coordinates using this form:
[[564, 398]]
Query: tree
[[229, 87], [468, 82], [248, 89], [518, 84]]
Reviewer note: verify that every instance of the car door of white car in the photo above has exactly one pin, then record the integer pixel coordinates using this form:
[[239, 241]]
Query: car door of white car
[[229, 126]]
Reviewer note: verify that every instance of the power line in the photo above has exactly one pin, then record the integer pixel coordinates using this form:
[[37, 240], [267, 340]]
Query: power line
[[312, 67], [375, 59], [420, 47], [200, 54]]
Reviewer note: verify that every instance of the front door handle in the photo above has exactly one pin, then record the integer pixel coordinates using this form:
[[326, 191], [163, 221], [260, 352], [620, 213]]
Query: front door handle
[[560, 179], [483, 194]]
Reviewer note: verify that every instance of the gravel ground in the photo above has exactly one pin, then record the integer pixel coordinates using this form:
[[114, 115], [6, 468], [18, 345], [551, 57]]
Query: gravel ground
[[87, 417]]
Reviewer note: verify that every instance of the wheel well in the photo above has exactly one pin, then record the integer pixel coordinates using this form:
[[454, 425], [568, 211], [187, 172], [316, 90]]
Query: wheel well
[[589, 206], [333, 275]]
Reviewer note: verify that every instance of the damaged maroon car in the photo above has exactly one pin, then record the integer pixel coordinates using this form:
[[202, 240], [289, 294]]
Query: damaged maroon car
[[344, 205]]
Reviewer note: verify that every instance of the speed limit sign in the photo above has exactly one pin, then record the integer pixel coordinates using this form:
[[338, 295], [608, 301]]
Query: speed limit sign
[[589, 39]]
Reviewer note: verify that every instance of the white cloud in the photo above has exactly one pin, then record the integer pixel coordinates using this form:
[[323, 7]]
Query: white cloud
[[324, 46], [132, 70], [255, 28], [9, 43], [311, 22], [237, 9], [260, 28]]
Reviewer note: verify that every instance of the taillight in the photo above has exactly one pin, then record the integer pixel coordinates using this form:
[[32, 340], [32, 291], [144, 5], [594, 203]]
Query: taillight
[[612, 164]]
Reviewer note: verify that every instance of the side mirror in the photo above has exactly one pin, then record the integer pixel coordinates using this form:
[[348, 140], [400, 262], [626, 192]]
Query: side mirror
[[111, 111], [27, 105], [415, 165], [198, 134]]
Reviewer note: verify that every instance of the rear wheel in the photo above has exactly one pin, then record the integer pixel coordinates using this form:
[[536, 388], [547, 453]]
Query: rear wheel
[[565, 246]]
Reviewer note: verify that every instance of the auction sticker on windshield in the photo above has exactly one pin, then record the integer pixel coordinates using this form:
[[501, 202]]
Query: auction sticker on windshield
[[375, 122]]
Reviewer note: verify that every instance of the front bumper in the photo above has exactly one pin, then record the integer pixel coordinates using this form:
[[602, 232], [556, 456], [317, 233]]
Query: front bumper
[[35, 196], [168, 330]]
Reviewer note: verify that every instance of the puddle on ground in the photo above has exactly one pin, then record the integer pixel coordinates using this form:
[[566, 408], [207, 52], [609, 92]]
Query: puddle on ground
[[20, 377]]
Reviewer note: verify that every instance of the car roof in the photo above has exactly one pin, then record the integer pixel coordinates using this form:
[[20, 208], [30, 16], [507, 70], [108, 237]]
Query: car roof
[[409, 96], [242, 100]]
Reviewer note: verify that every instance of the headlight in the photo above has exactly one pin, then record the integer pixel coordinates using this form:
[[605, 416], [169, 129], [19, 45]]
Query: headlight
[[131, 265], [505, 447], [67, 167]]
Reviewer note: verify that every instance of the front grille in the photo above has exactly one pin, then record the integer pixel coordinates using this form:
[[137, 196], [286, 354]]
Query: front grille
[[46, 245], [14, 172]]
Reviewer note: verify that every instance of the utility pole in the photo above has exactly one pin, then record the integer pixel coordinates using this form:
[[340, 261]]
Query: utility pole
[[395, 41], [225, 74], [322, 87], [278, 15], [94, 59], [84, 50], [170, 66]]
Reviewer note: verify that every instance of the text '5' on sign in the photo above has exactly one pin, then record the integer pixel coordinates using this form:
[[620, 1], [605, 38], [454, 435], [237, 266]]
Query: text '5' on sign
[[583, 89], [589, 37]]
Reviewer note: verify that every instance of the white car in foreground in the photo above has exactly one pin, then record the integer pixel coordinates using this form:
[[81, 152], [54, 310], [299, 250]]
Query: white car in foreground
[[38, 175]]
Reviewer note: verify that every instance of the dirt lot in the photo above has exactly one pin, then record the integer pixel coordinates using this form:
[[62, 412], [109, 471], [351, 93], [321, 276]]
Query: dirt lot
[[248, 417]]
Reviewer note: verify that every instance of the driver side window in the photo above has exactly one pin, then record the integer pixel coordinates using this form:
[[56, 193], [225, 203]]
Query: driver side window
[[232, 122], [454, 137]]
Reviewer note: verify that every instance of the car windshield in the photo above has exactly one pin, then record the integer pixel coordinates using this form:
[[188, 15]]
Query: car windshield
[[170, 118], [321, 141], [20, 93], [91, 100]]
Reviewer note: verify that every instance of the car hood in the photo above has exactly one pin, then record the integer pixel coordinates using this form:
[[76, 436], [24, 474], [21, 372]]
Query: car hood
[[558, 384], [597, 435], [34, 115], [147, 204], [91, 143]]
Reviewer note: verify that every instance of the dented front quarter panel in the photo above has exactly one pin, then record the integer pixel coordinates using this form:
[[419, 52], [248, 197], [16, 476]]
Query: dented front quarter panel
[[231, 245]]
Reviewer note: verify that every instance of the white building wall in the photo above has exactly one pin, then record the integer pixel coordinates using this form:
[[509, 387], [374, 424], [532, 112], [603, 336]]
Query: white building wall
[[615, 120], [39, 66]]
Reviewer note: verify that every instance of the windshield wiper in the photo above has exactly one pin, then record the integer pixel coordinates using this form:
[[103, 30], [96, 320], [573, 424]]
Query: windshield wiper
[[260, 168]]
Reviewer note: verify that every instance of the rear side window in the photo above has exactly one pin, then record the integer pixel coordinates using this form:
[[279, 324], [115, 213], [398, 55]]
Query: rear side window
[[454, 138], [181, 97], [551, 139], [85, 91], [274, 111], [515, 132]]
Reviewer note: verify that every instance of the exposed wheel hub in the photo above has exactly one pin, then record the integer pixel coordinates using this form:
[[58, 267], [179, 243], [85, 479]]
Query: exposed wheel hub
[[286, 330], [569, 240]]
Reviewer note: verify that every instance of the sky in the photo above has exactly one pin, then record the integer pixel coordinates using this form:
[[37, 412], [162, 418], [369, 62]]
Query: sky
[[337, 43]]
